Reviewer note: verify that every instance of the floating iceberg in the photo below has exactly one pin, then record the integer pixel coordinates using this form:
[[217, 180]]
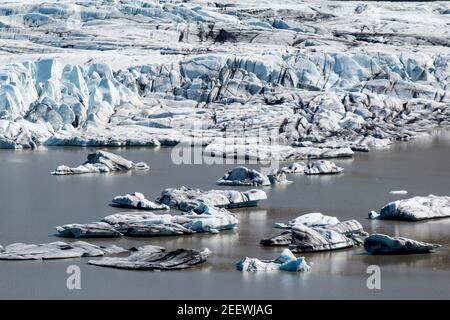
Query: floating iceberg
[[187, 199], [210, 219], [56, 250], [154, 230], [155, 258], [90, 230], [202, 218], [242, 176], [137, 201], [314, 219], [295, 167], [101, 161], [322, 167], [383, 244], [317, 232], [306, 239], [398, 192], [286, 262], [415, 209]]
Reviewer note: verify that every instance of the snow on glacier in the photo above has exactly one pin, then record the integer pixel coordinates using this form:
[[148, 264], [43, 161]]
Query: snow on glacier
[[331, 74]]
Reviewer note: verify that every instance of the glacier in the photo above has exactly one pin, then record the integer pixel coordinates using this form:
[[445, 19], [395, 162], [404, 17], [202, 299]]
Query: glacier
[[321, 79]]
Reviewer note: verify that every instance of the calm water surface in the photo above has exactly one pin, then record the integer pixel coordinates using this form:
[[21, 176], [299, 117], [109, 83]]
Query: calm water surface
[[32, 202]]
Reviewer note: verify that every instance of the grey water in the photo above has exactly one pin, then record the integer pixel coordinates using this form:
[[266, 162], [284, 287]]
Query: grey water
[[33, 202]]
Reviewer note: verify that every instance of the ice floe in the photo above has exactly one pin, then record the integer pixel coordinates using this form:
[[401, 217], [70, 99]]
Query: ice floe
[[89, 230], [402, 192], [155, 258], [295, 167], [56, 250], [137, 200], [187, 199], [242, 176], [317, 232], [287, 261], [101, 161], [383, 244], [414, 209], [322, 167]]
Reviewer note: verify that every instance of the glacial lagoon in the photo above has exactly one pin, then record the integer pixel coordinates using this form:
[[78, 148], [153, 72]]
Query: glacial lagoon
[[33, 202]]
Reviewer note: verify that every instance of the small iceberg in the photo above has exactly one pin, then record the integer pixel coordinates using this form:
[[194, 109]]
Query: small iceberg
[[306, 239], [56, 250], [242, 176], [287, 261], [89, 230], [398, 192], [101, 161], [137, 200], [155, 258], [415, 209], [187, 199], [295, 167], [317, 232], [383, 244], [322, 167]]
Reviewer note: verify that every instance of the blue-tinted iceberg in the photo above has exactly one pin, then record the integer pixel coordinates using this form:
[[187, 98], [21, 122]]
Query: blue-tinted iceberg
[[383, 244], [415, 209], [287, 261], [101, 161]]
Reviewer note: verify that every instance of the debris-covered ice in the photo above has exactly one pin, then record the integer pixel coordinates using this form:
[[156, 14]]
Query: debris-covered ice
[[137, 200], [89, 230], [243, 176], [317, 232], [414, 209], [101, 161], [295, 167], [312, 79], [56, 250], [187, 199], [155, 258], [322, 167], [402, 192], [287, 261], [383, 244]]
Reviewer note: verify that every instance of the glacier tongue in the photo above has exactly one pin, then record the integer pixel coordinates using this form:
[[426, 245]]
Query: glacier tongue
[[323, 77]]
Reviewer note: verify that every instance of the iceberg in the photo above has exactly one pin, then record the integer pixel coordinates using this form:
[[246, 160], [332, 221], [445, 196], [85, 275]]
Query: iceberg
[[56, 250], [155, 258], [89, 230], [314, 219], [187, 199], [415, 209], [285, 262], [137, 200], [402, 192], [383, 244], [322, 167], [316, 232], [306, 239], [154, 230], [242, 176], [295, 167], [101, 161]]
